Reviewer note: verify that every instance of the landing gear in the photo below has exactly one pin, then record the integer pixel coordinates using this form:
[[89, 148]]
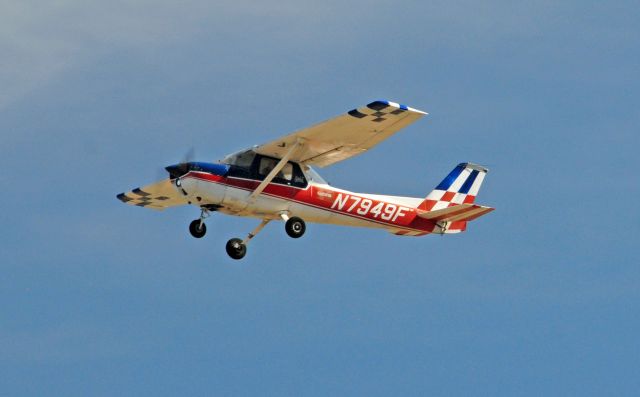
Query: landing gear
[[295, 227], [237, 248], [442, 227], [197, 228]]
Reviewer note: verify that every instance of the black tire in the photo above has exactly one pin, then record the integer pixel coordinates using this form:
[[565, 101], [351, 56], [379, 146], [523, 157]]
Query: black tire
[[197, 230], [235, 248], [295, 227]]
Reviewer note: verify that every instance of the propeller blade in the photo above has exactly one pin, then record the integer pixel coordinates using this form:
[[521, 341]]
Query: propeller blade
[[177, 170], [189, 156]]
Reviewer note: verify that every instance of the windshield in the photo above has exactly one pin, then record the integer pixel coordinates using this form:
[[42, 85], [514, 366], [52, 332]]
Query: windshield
[[314, 176], [242, 159]]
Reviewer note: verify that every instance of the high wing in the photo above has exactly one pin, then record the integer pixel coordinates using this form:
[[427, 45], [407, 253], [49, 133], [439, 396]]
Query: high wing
[[158, 196], [344, 136]]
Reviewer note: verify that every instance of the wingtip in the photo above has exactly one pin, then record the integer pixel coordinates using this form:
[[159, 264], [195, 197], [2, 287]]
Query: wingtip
[[382, 103], [123, 197]]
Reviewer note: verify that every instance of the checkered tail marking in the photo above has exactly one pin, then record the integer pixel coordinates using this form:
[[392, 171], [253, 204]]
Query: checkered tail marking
[[461, 186]]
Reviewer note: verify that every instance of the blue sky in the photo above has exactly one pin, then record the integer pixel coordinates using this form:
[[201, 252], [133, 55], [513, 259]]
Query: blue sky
[[538, 298]]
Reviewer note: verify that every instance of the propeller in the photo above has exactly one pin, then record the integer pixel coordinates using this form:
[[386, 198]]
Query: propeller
[[177, 170]]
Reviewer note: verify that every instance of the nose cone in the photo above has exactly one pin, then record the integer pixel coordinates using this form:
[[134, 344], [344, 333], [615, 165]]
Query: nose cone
[[177, 170]]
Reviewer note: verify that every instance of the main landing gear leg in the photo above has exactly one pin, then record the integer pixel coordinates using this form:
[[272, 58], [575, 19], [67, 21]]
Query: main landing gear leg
[[197, 227], [237, 248]]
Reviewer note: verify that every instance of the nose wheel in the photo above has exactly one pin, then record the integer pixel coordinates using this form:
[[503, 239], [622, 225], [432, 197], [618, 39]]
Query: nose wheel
[[197, 228]]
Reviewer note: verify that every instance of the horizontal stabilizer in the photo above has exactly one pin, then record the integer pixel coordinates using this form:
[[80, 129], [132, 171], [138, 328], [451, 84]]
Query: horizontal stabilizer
[[158, 196], [462, 212]]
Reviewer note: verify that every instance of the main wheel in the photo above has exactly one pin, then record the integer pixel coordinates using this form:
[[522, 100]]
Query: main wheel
[[295, 227], [198, 230], [236, 249]]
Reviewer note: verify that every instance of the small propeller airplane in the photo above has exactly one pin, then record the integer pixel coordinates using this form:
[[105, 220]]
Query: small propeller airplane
[[275, 181]]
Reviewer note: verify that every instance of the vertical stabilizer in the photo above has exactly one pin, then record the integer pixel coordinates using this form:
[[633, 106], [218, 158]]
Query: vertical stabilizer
[[461, 186]]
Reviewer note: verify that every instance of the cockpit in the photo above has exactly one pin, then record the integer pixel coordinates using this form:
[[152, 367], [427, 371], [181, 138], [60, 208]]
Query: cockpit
[[251, 165]]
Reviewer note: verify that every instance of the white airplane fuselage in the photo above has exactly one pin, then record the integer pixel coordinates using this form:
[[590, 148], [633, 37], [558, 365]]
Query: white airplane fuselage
[[316, 203]]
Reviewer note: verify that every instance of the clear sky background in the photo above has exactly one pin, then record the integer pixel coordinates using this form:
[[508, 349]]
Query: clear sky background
[[540, 297]]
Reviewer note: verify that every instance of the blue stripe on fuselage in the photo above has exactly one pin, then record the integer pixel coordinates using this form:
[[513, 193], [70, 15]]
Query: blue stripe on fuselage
[[212, 168]]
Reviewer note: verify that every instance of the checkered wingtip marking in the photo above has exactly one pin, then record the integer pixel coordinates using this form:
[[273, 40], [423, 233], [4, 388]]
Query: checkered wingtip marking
[[141, 198], [379, 111]]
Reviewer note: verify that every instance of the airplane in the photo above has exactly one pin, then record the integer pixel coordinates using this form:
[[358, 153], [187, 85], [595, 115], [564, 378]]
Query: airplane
[[276, 181]]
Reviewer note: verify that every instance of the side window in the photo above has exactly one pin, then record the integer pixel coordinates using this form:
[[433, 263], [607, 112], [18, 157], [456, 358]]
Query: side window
[[286, 172], [265, 166], [268, 164], [290, 174], [298, 177]]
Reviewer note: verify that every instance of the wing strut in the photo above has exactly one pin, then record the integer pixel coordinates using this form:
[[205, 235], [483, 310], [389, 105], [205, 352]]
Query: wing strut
[[276, 169]]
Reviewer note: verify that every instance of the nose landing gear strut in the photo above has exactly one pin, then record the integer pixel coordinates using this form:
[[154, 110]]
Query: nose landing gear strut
[[197, 227]]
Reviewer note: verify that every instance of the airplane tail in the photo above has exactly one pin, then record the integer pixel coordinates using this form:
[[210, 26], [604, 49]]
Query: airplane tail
[[451, 204], [461, 186]]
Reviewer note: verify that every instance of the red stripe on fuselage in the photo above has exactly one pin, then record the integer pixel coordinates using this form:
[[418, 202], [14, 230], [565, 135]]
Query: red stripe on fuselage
[[325, 198]]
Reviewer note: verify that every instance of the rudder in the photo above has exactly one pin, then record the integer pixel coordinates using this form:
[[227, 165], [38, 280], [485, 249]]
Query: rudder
[[461, 186]]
